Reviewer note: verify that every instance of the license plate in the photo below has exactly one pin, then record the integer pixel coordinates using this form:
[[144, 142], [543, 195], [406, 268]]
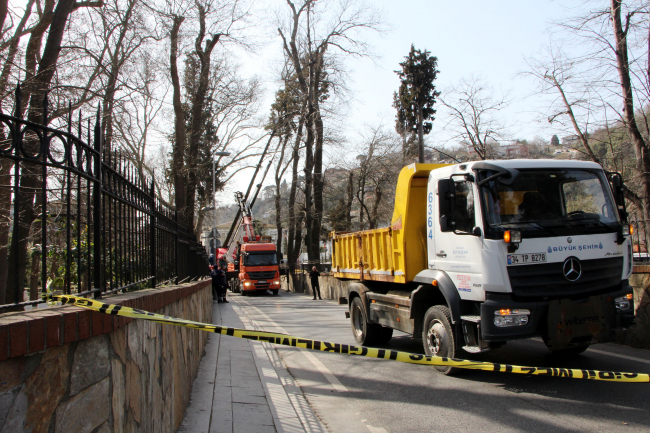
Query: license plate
[[261, 282], [525, 259]]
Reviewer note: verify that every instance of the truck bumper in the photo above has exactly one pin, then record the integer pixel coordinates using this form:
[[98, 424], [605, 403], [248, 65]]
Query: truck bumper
[[596, 316]]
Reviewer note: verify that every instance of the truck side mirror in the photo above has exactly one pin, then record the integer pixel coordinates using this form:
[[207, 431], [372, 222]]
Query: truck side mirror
[[476, 231], [619, 194], [446, 198]]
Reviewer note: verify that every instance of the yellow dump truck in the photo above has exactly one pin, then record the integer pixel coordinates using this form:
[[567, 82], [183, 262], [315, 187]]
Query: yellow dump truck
[[481, 253]]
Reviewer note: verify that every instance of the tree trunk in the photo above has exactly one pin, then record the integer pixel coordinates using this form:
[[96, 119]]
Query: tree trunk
[[640, 146], [111, 85], [420, 135], [178, 151], [29, 176], [198, 103], [293, 220], [348, 207]]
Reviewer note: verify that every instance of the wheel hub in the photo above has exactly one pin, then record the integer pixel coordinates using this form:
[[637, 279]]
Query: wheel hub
[[356, 320], [437, 339]]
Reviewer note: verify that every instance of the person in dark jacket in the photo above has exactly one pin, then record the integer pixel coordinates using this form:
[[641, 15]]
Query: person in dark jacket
[[222, 283], [315, 286], [215, 283]]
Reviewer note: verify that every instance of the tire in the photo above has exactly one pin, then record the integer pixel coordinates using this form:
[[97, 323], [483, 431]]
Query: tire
[[366, 334], [275, 292], [438, 336], [242, 291]]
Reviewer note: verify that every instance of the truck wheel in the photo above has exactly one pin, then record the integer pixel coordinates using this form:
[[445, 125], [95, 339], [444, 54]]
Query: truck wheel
[[364, 333], [275, 292], [438, 337], [242, 291]]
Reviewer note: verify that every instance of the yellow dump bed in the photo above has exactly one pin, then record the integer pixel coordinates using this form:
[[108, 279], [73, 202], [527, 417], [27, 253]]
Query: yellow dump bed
[[381, 254]]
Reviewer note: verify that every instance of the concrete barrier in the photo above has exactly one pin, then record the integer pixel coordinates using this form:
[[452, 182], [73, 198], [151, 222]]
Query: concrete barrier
[[67, 369]]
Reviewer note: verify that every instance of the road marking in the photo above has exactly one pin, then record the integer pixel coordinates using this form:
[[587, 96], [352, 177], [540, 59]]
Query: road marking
[[602, 352], [376, 429], [336, 384], [631, 358]]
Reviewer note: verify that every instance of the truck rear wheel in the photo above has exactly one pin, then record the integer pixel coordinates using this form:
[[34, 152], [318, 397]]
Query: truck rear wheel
[[365, 333], [438, 336]]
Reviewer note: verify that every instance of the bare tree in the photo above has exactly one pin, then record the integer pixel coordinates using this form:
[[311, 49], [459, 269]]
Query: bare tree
[[307, 38], [473, 114]]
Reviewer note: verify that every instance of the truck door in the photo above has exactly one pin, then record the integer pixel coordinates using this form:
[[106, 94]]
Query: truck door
[[457, 248]]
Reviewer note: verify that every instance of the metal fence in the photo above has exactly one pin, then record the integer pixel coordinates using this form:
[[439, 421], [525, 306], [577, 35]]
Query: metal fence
[[640, 240], [76, 218]]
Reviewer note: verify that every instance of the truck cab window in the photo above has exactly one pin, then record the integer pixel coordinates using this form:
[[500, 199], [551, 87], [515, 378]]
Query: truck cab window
[[463, 212]]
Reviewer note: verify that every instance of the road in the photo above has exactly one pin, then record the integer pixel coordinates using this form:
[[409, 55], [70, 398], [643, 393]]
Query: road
[[356, 394]]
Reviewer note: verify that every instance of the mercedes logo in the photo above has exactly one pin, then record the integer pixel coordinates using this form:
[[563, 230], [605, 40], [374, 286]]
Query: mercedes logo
[[572, 269]]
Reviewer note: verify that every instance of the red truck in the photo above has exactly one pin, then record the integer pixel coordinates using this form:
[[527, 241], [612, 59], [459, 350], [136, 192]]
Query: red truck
[[257, 263], [255, 259]]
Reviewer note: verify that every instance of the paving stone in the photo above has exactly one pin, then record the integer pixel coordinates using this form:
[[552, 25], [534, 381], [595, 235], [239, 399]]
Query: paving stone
[[251, 414]]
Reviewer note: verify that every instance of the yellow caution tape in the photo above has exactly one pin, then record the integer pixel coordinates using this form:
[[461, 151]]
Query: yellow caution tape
[[347, 349]]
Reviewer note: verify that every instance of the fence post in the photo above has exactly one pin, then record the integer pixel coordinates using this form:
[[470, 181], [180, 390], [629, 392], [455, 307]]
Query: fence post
[[97, 209], [176, 247], [152, 246]]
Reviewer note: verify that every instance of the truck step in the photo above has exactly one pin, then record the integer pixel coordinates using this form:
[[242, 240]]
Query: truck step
[[475, 349], [475, 319]]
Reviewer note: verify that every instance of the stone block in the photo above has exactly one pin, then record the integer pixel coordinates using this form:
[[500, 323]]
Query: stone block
[[85, 330], [53, 330], [118, 398], [133, 389], [118, 340], [36, 335], [70, 327], [86, 411], [45, 388], [91, 363], [18, 339]]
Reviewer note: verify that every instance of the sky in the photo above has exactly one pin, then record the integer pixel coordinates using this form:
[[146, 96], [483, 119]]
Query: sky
[[487, 38]]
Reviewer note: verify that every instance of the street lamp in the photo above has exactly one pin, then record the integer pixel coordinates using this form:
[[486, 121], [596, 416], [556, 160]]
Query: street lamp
[[214, 195]]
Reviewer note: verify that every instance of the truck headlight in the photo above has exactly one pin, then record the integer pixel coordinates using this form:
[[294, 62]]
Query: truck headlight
[[277, 283], [624, 302], [247, 284], [628, 230], [507, 317]]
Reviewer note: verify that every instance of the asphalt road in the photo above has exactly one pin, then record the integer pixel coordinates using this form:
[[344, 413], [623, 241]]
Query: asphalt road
[[356, 394]]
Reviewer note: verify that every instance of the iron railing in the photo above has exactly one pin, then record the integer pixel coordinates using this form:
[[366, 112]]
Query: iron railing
[[76, 218], [640, 252]]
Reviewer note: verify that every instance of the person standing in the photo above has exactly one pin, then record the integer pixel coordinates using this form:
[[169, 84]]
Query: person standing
[[315, 286], [215, 282], [223, 284]]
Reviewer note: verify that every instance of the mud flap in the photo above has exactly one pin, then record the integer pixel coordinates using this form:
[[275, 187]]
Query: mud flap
[[571, 322]]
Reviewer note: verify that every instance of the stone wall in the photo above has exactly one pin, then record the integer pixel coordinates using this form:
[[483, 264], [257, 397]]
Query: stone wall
[[639, 334], [330, 287], [83, 371]]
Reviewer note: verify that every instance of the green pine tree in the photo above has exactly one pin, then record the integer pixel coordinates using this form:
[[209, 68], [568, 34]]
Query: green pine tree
[[416, 96]]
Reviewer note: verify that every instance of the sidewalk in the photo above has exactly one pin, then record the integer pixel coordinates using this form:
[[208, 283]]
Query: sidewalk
[[242, 386]]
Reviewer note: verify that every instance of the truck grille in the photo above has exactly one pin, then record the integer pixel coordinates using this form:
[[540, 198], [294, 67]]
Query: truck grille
[[262, 275], [547, 279]]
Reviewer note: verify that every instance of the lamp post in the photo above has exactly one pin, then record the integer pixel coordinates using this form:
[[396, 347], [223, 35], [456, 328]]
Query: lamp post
[[214, 197]]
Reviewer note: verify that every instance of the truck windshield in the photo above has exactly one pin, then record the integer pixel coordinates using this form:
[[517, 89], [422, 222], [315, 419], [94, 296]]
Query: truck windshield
[[265, 259], [555, 202]]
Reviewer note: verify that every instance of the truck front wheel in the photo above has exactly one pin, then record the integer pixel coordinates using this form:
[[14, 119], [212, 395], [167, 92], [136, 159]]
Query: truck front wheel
[[366, 333], [438, 336]]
